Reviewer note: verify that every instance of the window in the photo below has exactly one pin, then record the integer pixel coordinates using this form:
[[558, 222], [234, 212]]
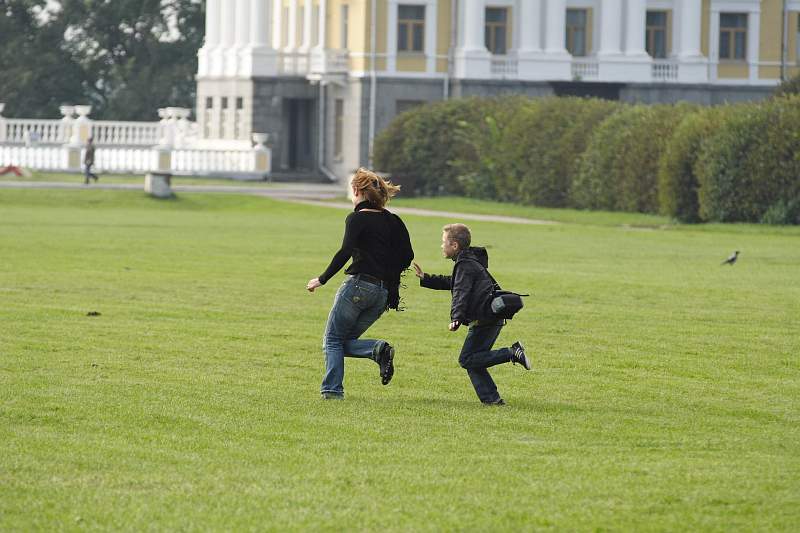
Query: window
[[401, 106], [224, 102], [410, 28], [496, 34], [209, 102], [576, 32], [338, 128], [239, 102], [656, 34], [733, 36], [345, 26]]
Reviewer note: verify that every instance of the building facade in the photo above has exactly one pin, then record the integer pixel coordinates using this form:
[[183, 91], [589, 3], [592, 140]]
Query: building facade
[[323, 77]]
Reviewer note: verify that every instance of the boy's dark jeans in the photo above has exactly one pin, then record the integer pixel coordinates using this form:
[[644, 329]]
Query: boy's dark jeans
[[477, 355]]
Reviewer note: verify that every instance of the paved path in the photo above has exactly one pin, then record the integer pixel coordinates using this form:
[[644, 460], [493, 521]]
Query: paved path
[[305, 193]]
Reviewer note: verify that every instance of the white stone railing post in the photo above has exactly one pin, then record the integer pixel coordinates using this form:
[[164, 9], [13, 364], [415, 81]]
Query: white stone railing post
[[67, 112], [262, 156], [2, 123], [82, 127], [163, 150]]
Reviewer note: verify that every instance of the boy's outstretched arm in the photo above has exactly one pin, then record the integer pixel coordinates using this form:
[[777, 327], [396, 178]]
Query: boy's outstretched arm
[[432, 281]]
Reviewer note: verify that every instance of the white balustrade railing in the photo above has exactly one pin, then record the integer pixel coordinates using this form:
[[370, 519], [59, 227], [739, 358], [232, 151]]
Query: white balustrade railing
[[170, 145], [665, 70], [329, 61], [44, 157], [294, 63], [585, 69], [28, 131], [106, 132], [192, 161], [504, 67]]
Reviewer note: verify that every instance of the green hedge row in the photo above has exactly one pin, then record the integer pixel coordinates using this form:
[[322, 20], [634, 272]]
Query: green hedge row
[[729, 163]]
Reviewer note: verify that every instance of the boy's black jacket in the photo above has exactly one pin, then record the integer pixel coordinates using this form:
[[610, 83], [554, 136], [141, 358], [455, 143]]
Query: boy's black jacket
[[470, 283]]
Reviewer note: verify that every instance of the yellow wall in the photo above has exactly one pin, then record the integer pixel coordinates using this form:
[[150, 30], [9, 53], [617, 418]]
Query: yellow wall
[[770, 32], [704, 27], [443, 33], [411, 62], [589, 31], [733, 69], [793, 21]]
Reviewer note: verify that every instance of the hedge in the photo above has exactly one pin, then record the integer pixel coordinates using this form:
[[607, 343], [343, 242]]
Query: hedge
[[749, 170], [619, 169], [677, 178]]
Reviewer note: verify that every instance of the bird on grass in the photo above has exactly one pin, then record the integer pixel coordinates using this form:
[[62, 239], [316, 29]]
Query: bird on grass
[[732, 259]]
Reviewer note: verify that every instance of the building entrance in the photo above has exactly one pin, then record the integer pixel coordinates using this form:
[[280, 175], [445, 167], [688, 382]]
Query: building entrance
[[299, 113]]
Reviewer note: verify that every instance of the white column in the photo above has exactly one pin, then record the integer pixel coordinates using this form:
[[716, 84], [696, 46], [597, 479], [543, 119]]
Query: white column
[[692, 66], [610, 28], [431, 25], [258, 57], [323, 24], [291, 33], [228, 36], [713, 43], [391, 36], [308, 17], [530, 17], [206, 55], [260, 23], [753, 38], [637, 16], [691, 15], [472, 59], [242, 34], [556, 27], [474, 22], [277, 24]]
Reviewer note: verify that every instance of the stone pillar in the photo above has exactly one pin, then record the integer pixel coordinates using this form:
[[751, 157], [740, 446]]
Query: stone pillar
[[713, 43], [323, 24], [692, 67], [308, 18], [207, 56], [277, 24], [82, 128], [228, 36], [262, 156], [472, 59], [431, 23], [556, 27], [391, 35], [636, 21], [531, 24], [555, 62], [610, 28], [242, 35], [67, 111], [753, 41], [291, 33], [259, 58]]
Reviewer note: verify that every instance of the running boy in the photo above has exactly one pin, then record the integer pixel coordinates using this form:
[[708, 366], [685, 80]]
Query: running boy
[[472, 290]]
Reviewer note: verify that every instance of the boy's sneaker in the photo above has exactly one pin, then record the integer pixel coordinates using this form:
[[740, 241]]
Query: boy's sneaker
[[386, 363], [499, 401], [332, 396], [518, 355]]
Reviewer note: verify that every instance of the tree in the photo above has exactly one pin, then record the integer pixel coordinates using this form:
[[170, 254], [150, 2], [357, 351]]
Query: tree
[[37, 73], [139, 54]]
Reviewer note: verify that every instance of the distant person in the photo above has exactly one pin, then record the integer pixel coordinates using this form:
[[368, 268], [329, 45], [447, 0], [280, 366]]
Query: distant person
[[472, 290], [379, 244], [88, 162]]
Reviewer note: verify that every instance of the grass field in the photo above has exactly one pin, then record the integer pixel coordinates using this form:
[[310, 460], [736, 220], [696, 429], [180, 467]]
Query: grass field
[[665, 394]]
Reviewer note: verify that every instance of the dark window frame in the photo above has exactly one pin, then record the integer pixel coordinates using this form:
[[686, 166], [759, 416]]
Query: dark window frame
[[573, 29], [496, 31], [410, 31], [652, 32], [728, 35]]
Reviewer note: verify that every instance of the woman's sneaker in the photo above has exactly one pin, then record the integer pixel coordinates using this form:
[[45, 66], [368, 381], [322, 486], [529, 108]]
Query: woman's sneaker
[[518, 355]]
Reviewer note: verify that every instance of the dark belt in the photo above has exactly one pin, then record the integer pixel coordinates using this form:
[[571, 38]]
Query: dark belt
[[370, 279]]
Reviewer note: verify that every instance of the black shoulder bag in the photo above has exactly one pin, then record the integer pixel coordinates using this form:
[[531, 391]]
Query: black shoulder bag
[[505, 304]]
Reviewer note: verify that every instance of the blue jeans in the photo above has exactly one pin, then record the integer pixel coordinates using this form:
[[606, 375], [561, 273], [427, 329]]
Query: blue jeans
[[356, 307], [477, 355]]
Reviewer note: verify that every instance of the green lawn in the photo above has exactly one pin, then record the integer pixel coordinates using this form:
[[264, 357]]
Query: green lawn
[[665, 394]]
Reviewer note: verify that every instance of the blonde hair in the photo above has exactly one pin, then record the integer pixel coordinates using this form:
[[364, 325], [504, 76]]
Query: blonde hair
[[374, 188], [458, 233]]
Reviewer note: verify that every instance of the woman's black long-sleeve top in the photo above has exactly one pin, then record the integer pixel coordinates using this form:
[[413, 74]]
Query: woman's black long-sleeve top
[[379, 244]]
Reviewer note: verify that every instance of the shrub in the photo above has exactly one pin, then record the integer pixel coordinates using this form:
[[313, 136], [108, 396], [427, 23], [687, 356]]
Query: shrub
[[677, 178], [788, 87], [619, 169], [420, 143], [547, 140], [749, 171]]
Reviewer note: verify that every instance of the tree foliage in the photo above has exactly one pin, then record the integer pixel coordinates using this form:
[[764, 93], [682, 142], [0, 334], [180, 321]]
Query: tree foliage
[[126, 58]]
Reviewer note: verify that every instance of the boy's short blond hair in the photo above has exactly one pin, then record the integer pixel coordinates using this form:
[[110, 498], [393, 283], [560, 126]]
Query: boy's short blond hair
[[458, 233]]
